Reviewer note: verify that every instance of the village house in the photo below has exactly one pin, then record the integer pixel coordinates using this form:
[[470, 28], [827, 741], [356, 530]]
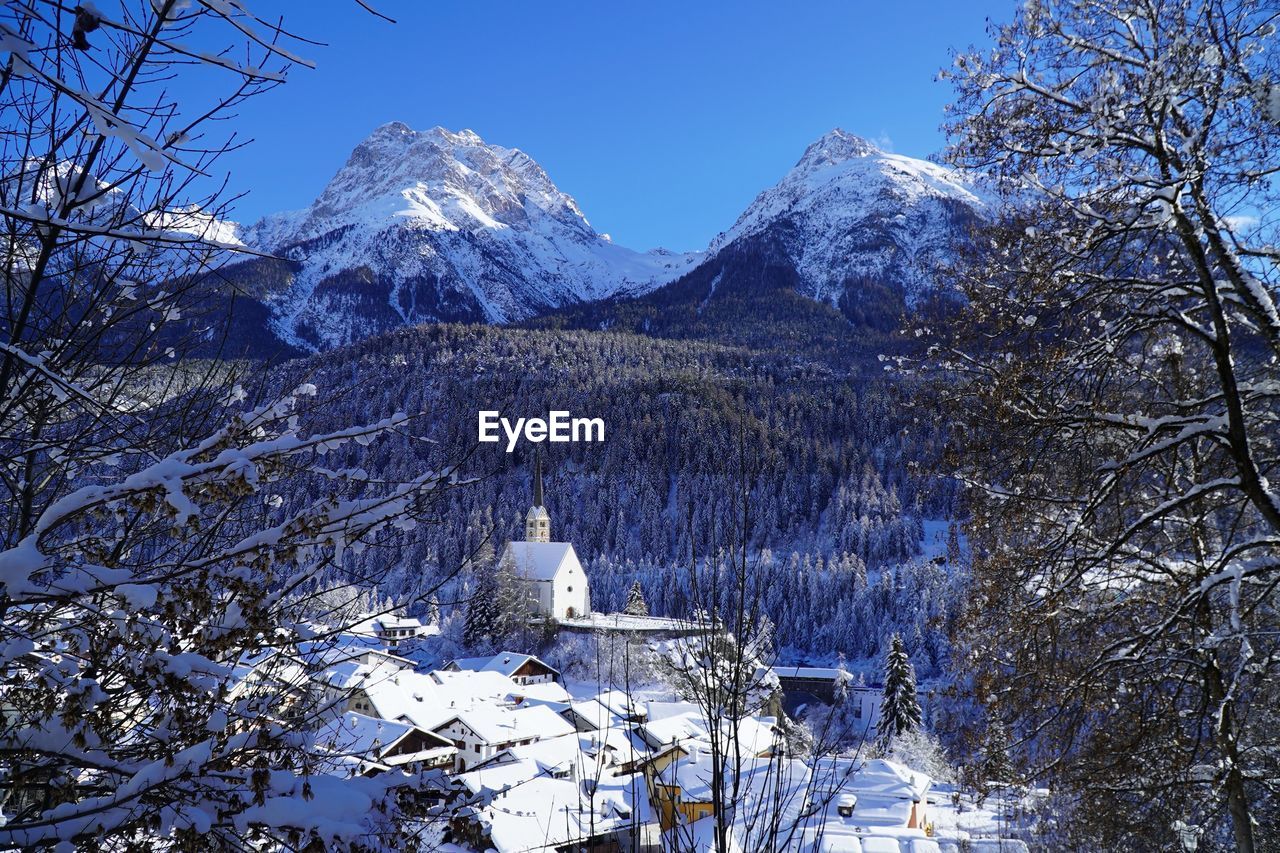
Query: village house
[[873, 796], [836, 805], [671, 802], [393, 630], [272, 682], [573, 777], [358, 745], [522, 669], [481, 731], [667, 723]]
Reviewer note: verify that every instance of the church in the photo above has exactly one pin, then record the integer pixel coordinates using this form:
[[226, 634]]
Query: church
[[558, 584]]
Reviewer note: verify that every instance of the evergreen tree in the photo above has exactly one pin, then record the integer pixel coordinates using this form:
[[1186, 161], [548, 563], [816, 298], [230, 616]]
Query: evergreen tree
[[482, 610], [997, 768], [900, 707], [511, 606], [636, 605]]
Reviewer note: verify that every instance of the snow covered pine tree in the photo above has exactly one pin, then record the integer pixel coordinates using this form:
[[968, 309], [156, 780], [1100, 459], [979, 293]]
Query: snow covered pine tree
[[481, 624], [900, 707], [635, 601]]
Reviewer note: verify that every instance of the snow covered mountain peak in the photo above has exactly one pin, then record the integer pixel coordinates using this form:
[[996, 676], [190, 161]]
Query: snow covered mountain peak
[[835, 147], [436, 179], [851, 212], [439, 225]]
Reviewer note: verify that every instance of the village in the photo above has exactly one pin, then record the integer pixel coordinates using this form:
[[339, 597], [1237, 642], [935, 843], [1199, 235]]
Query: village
[[516, 757]]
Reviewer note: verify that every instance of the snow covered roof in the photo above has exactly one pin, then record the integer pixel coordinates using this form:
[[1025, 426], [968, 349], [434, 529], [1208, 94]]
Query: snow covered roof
[[822, 672], [393, 622], [503, 662], [544, 693], [584, 755], [541, 561], [620, 702], [658, 710], [885, 792], [881, 777], [544, 795], [545, 813], [355, 741], [360, 734], [499, 724], [428, 700], [594, 714], [683, 723], [470, 688], [855, 843]]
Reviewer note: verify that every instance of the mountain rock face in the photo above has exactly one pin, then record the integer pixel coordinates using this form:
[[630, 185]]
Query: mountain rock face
[[423, 226], [857, 222]]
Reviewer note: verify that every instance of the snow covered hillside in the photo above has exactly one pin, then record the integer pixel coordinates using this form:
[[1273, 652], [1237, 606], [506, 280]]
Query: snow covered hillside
[[421, 226]]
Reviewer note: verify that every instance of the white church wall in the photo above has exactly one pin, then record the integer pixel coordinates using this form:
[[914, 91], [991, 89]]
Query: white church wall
[[570, 590]]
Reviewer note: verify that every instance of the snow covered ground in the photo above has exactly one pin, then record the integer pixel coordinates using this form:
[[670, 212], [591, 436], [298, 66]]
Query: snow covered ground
[[625, 622], [992, 825]]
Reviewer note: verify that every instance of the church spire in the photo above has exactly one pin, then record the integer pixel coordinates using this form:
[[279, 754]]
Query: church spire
[[537, 478], [537, 524]]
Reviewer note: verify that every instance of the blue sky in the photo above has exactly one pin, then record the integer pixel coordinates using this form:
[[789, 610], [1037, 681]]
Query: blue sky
[[663, 119]]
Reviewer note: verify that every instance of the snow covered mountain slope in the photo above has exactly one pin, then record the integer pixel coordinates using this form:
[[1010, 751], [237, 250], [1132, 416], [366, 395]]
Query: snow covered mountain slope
[[423, 226], [850, 215], [832, 254]]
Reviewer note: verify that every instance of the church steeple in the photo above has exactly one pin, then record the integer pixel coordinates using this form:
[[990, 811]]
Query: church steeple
[[537, 479], [537, 523]]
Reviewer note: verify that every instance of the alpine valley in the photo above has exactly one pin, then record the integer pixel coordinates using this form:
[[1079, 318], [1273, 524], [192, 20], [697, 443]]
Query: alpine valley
[[440, 274], [931, 506]]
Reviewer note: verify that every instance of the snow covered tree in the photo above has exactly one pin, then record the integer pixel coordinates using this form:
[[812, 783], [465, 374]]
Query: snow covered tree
[[498, 610], [715, 664], [899, 707], [482, 612], [129, 609], [164, 525], [920, 750], [635, 601], [1118, 344], [996, 767]]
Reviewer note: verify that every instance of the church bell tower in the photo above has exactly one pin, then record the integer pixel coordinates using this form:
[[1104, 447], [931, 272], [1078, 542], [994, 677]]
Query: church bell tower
[[537, 523]]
